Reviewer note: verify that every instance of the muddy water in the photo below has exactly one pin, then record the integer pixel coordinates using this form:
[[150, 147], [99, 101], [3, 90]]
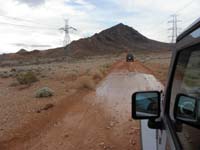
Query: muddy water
[[115, 93], [116, 90]]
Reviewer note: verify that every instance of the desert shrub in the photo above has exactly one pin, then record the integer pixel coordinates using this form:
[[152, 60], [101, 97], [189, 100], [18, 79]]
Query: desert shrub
[[13, 70], [97, 75], [5, 74], [106, 66], [44, 92], [85, 82], [103, 70], [26, 78], [43, 76]]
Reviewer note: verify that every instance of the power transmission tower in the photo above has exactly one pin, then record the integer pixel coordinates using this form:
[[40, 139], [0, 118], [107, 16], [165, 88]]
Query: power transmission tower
[[67, 30], [67, 37], [174, 29]]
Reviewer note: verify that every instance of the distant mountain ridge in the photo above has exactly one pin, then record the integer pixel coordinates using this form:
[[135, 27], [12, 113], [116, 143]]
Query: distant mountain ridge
[[117, 39]]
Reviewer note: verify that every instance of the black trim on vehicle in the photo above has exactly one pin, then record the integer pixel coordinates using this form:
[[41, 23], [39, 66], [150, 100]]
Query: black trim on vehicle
[[169, 86], [167, 118], [184, 34], [171, 78], [173, 134]]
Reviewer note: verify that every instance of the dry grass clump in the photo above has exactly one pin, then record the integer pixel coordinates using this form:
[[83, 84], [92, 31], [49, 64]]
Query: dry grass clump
[[99, 72], [44, 92], [103, 69], [13, 70], [107, 66], [26, 78], [86, 82], [87, 79], [96, 75]]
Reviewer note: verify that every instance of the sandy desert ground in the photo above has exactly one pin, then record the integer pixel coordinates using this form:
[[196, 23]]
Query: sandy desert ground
[[73, 118]]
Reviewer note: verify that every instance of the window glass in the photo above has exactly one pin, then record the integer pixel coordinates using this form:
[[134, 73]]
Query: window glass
[[187, 81]]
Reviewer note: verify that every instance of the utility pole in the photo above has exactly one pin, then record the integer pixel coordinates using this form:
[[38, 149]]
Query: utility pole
[[67, 30], [174, 28]]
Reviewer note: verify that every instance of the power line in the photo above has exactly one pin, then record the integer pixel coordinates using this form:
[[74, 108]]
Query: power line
[[179, 10], [26, 26], [66, 29], [185, 6], [18, 19], [25, 20], [21, 19]]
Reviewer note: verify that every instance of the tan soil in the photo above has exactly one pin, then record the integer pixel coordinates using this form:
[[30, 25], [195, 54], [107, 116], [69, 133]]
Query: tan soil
[[75, 121]]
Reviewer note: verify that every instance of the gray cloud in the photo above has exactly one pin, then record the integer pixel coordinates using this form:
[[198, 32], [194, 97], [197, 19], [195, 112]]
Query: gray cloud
[[32, 3], [31, 45]]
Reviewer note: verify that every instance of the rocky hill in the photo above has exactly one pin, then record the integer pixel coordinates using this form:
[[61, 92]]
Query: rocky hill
[[117, 39]]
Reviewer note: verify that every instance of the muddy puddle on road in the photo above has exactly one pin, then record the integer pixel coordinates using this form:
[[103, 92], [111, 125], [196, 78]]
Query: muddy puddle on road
[[115, 95], [116, 90]]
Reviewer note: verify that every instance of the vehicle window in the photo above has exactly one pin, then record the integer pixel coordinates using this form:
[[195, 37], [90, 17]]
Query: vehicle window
[[187, 81]]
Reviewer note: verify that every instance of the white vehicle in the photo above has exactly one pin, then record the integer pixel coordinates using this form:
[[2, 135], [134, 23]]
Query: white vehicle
[[175, 117]]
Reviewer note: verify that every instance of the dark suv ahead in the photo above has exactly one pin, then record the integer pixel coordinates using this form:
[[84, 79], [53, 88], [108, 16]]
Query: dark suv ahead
[[129, 58], [176, 115]]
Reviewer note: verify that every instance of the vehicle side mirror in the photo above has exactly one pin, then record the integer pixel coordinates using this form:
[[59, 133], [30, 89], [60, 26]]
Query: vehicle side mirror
[[187, 110], [146, 105]]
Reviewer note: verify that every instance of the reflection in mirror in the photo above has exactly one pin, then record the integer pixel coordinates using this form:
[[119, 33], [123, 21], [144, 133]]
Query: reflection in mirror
[[146, 104], [186, 108]]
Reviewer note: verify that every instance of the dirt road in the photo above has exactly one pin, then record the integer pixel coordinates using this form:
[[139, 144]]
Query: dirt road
[[95, 120]]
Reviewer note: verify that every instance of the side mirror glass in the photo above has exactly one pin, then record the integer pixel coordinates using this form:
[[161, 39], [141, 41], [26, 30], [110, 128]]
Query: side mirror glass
[[146, 105], [186, 110]]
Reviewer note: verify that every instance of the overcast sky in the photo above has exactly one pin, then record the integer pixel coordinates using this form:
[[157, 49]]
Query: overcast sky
[[34, 24]]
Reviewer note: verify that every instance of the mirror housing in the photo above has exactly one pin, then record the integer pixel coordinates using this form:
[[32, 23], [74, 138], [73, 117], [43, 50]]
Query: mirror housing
[[187, 110], [146, 105]]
